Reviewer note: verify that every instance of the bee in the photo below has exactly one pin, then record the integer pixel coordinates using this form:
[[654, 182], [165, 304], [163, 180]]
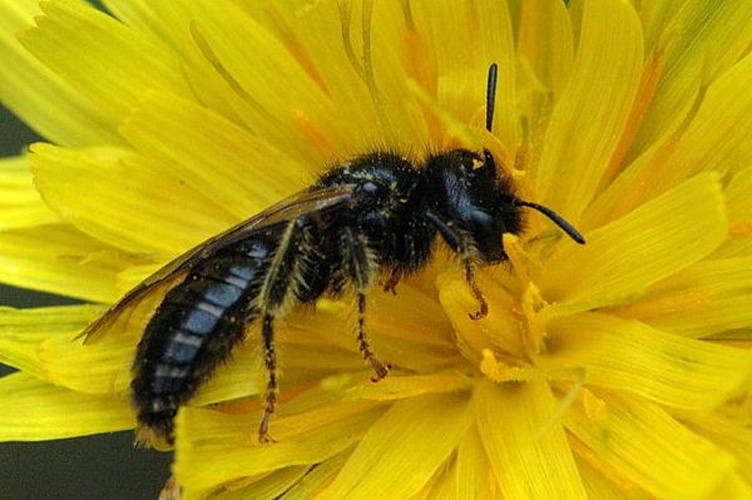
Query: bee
[[377, 215]]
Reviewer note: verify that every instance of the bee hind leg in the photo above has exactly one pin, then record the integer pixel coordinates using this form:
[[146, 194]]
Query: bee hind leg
[[272, 390]]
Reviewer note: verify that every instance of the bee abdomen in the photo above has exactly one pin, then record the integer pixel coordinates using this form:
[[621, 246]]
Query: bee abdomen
[[193, 331]]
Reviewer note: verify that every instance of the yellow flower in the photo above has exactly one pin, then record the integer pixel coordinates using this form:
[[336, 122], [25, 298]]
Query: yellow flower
[[621, 368]]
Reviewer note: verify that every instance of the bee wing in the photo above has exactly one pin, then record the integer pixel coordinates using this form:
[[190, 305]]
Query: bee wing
[[144, 297]]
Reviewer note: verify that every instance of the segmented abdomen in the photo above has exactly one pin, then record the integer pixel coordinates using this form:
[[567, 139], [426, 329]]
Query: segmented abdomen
[[194, 330]]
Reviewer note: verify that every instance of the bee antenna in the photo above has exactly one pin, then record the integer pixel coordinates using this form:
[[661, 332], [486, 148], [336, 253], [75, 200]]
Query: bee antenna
[[493, 72], [554, 217]]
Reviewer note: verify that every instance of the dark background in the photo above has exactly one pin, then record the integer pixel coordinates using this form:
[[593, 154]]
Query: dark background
[[105, 466]]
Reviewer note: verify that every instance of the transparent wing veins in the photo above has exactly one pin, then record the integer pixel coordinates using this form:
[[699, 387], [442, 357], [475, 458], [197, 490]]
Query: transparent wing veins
[[302, 203]]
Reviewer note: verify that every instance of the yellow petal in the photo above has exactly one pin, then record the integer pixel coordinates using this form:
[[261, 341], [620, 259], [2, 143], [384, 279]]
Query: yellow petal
[[697, 43], [274, 485], [665, 368], [315, 480], [20, 203], [291, 42], [213, 155], [104, 60], [58, 259], [487, 27], [329, 41], [709, 297], [499, 329], [715, 139], [35, 410], [408, 387], [603, 484], [132, 202], [99, 368], [547, 42], [587, 120], [41, 342], [230, 444], [69, 118], [643, 444], [473, 476], [621, 259], [398, 325], [24, 330], [531, 458], [547, 48], [739, 242], [428, 427], [268, 84], [732, 434], [142, 15]]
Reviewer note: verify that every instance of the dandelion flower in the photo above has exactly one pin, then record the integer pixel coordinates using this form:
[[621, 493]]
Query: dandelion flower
[[621, 368]]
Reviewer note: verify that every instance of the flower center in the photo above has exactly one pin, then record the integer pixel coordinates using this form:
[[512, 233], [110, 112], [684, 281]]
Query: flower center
[[505, 344]]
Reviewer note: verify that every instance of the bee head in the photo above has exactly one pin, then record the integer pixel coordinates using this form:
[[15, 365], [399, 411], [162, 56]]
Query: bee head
[[469, 205], [472, 208]]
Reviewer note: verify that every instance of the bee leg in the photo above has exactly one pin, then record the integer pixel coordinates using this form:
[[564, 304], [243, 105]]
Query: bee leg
[[391, 284], [459, 243], [482, 311], [270, 359], [380, 368]]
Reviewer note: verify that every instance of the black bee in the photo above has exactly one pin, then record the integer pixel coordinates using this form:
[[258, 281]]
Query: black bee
[[377, 215]]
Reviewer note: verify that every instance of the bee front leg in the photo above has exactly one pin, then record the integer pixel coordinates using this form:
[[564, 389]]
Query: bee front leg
[[482, 311], [460, 243]]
